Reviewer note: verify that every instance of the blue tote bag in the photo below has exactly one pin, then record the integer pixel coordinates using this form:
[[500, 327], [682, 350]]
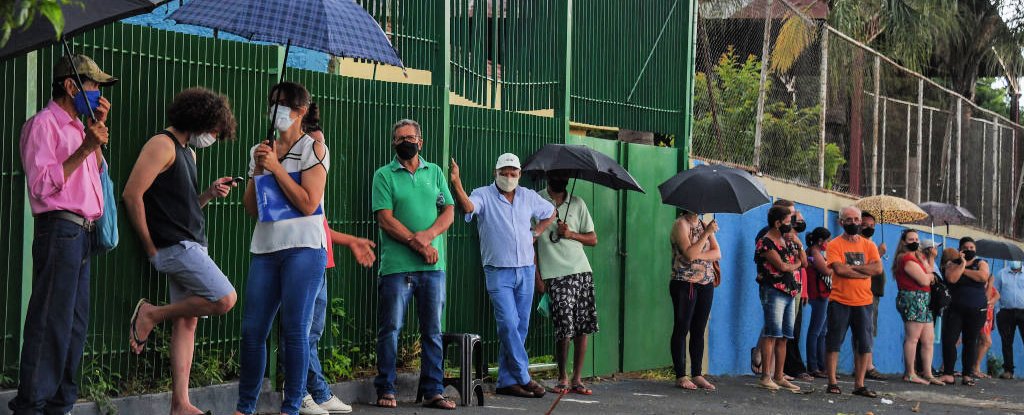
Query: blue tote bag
[[106, 226]]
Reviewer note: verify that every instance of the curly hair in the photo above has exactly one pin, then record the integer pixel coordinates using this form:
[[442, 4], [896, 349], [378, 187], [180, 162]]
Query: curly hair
[[200, 110], [311, 122]]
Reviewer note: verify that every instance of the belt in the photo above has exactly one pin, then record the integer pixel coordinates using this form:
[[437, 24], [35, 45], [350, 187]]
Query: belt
[[75, 218]]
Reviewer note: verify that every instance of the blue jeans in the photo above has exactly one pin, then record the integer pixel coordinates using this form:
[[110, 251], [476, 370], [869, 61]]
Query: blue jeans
[[511, 291], [816, 335], [779, 313], [57, 319], [393, 293], [288, 280], [316, 385]]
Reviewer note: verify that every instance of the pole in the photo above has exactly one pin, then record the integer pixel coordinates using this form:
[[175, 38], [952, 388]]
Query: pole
[[885, 119], [920, 142], [906, 157], [763, 85], [277, 93], [874, 127], [928, 177], [996, 148], [959, 146], [823, 100]]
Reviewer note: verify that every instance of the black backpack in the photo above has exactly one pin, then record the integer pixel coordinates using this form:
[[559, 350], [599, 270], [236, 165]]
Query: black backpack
[[940, 296]]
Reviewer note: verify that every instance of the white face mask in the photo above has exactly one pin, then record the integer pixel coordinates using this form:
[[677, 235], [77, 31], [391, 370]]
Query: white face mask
[[202, 140], [283, 121], [505, 183]]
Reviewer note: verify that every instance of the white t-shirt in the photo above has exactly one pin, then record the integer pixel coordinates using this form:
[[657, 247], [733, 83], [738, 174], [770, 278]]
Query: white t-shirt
[[303, 232]]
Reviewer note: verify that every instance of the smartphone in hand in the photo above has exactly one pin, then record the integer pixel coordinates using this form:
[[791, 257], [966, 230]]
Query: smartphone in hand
[[237, 181]]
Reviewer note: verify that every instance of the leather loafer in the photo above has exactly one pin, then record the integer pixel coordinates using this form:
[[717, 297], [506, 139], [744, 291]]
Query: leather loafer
[[535, 388]]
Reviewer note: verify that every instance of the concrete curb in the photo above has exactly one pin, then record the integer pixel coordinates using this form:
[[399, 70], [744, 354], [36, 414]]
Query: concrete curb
[[221, 399]]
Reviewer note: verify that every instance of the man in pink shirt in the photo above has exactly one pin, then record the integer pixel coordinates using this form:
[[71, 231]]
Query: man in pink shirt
[[61, 157]]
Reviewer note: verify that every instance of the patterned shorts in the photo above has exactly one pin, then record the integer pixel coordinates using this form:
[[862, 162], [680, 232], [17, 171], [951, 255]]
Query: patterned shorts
[[913, 306], [573, 310]]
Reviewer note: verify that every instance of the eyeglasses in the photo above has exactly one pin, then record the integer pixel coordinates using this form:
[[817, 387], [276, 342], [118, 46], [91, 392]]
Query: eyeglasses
[[408, 138]]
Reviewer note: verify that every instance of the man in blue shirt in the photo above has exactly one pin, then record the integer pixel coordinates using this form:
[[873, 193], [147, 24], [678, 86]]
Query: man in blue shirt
[[505, 211], [1010, 285]]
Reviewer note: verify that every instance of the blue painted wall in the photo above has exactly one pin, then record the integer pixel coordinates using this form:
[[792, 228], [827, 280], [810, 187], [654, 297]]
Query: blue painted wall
[[736, 316], [297, 57]]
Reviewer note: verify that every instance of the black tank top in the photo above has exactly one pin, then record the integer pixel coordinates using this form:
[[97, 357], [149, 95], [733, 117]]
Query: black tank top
[[172, 201], [968, 292]]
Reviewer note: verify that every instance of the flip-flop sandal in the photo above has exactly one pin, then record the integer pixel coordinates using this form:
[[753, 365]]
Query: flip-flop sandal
[[935, 381], [834, 389], [135, 317], [968, 381], [560, 389], [582, 390], [387, 397], [440, 402], [755, 361], [707, 385], [865, 392]]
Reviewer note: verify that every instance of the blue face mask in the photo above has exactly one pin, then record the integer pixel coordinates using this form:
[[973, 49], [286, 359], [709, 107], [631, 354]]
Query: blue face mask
[[84, 101]]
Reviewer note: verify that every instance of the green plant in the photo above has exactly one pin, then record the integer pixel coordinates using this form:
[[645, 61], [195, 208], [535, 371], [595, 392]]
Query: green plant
[[345, 360], [790, 133], [995, 365], [17, 15], [99, 384]]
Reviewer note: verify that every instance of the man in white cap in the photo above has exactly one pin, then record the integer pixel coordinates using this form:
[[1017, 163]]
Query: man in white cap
[[506, 211]]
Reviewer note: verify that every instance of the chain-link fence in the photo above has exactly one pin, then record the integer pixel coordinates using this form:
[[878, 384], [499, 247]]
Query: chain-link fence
[[780, 91]]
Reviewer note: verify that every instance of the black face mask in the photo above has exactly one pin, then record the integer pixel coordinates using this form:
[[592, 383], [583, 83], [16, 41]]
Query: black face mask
[[406, 150], [800, 226], [557, 186], [913, 246], [851, 229], [867, 232], [970, 255], [784, 229]]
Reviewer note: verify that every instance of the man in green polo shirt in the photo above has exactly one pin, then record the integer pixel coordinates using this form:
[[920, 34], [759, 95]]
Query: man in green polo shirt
[[564, 272], [414, 207]]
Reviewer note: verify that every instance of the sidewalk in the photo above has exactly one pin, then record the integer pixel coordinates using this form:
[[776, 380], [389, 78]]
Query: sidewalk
[[737, 395]]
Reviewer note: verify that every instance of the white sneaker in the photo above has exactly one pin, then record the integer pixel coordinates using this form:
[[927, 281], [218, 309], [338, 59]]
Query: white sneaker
[[335, 406], [309, 407]]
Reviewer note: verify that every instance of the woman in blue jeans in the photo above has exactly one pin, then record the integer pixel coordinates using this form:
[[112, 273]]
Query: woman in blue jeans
[[818, 288], [288, 248]]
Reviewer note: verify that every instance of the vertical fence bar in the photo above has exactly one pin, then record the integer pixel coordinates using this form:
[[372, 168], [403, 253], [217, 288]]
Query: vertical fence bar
[[763, 85], [996, 147], [874, 126], [823, 100], [916, 195], [928, 177], [885, 121], [906, 157], [960, 144], [984, 160]]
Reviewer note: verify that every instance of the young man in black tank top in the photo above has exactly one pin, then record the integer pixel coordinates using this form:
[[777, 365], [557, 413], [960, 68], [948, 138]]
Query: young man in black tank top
[[165, 208]]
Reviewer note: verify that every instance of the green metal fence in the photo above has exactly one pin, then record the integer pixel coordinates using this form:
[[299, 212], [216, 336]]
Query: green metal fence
[[528, 40]]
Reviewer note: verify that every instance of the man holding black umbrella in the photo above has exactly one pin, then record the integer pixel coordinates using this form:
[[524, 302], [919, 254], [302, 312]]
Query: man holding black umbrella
[[564, 272], [61, 157]]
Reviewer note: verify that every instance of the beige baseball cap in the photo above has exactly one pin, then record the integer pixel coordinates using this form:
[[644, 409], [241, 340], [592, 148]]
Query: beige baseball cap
[[507, 160], [87, 68]]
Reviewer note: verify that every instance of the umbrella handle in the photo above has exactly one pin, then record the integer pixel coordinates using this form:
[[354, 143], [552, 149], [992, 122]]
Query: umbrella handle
[[277, 93]]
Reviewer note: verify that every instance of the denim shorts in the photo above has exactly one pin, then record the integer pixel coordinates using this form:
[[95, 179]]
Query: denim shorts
[[191, 271], [856, 318], [779, 313]]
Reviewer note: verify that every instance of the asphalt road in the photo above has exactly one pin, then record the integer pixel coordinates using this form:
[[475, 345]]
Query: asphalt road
[[738, 395]]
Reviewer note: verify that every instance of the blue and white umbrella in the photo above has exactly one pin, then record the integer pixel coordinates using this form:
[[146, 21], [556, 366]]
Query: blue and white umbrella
[[335, 27]]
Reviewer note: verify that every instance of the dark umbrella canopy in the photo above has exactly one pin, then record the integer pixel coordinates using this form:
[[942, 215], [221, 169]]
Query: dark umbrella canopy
[[335, 27], [77, 19], [944, 213], [999, 250], [584, 163], [714, 189]]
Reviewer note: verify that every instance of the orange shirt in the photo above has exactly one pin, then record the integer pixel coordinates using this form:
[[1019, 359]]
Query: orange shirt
[[851, 291]]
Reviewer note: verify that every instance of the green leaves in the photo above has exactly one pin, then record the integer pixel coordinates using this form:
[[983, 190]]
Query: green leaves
[[18, 15]]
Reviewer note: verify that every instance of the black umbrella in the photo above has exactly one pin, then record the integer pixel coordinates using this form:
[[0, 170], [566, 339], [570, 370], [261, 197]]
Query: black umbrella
[[78, 18], [945, 213], [580, 162], [714, 189], [999, 250]]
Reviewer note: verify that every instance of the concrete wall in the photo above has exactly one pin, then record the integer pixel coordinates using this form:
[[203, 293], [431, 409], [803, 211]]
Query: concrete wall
[[736, 316]]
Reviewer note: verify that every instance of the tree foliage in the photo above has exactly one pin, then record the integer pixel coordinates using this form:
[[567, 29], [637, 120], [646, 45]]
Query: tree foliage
[[19, 14], [790, 133]]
